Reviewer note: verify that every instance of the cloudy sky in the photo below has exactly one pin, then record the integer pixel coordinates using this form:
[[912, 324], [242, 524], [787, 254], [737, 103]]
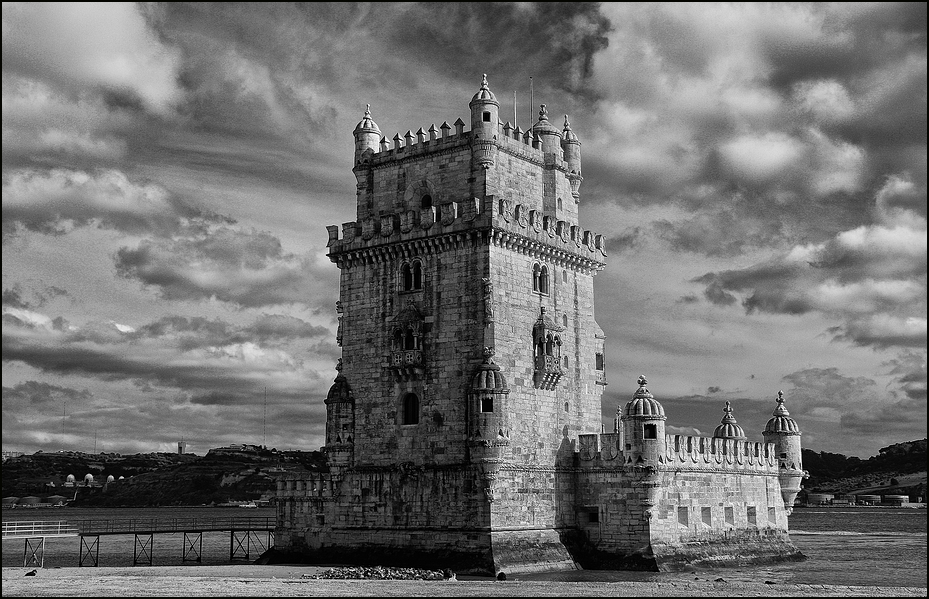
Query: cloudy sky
[[169, 170]]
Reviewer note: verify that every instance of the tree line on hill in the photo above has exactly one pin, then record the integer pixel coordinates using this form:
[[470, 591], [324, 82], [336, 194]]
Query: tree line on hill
[[221, 476]]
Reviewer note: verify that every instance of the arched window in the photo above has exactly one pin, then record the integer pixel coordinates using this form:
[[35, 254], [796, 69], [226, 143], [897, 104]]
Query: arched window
[[549, 346], [564, 276], [417, 275], [543, 280], [536, 273], [425, 202], [411, 276], [398, 339], [410, 409], [560, 207], [564, 319], [406, 274], [409, 341]]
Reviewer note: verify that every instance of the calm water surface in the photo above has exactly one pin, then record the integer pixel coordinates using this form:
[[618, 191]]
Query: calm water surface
[[847, 546]]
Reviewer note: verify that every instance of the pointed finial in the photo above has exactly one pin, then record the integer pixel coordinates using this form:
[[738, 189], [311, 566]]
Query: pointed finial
[[367, 110], [642, 380], [489, 353], [543, 112], [780, 397], [484, 82], [728, 408], [567, 125], [338, 365]]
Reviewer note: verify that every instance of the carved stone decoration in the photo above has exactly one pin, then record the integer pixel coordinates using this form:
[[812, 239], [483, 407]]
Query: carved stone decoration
[[505, 210], [522, 215], [338, 306], [407, 221], [488, 299], [610, 450], [387, 225], [338, 334]]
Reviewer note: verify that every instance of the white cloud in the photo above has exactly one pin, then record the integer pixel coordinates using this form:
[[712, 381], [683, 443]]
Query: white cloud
[[85, 46]]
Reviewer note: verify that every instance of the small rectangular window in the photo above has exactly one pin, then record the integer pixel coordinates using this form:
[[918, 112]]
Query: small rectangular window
[[487, 404], [707, 516], [599, 361], [594, 516], [650, 431], [750, 512], [486, 117], [730, 516], [682, 516]]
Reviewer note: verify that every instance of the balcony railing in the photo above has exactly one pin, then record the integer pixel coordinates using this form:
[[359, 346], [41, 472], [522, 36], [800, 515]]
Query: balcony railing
[[601, 377], [407, 357], [548, 364]]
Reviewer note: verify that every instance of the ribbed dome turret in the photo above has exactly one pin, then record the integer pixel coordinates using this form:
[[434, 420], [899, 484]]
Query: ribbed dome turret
[[340, 391], [367, 124], [484, 95], [568, 134], [544, 126], [729, 428], [782, 422], [643, 404], [488, 378]]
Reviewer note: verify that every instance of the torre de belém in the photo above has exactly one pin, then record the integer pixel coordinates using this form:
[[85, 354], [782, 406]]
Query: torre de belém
[[464, 426]]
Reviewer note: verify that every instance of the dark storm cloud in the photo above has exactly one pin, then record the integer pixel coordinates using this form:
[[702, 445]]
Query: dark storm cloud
[[195, 332], [882, 332], [766, 124], [57, 201], [828, 387], [909, 371], [37, 393], [13, 297], [245, 268], [205, 375], [628, 240]]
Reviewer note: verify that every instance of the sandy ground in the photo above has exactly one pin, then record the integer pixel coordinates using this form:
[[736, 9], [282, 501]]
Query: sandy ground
[[289, 581]]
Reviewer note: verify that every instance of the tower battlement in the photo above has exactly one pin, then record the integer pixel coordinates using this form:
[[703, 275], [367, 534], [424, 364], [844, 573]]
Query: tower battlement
[[692, 452]]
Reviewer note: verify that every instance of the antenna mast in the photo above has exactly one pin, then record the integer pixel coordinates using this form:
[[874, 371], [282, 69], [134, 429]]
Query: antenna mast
[[264, 422], [530, 103]]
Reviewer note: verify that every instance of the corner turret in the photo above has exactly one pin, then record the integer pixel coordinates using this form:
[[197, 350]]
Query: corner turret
[[340, 421], [485, 119], [782, 430], [549, 133], [728, 428], [643, 428], [367, 136], [572, 156]]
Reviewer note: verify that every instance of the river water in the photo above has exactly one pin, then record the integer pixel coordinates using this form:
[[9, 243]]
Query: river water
[[845, 546]]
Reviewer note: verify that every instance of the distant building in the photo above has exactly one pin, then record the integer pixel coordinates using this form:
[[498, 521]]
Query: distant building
[[181, 447]]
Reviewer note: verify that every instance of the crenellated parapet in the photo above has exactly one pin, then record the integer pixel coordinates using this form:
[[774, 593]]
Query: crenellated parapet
[[509, 224], [303, 486], [716, 453], [683, 452]]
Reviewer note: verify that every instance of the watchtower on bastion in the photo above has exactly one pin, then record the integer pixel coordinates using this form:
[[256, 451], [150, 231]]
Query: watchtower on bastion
[[464, 425]]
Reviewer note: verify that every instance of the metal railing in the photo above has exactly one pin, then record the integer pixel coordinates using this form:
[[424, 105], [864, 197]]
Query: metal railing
[[41, 528], [152, 525]]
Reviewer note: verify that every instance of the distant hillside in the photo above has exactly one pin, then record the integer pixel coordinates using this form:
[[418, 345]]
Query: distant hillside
[[897, 469], [160, 479]]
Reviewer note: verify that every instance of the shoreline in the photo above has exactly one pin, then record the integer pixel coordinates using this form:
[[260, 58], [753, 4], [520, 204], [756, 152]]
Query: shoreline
[[289, 580]]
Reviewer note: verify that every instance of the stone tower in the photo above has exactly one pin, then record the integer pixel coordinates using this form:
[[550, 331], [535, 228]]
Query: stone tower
[[466, 315], [466, 242], [782, 430]]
